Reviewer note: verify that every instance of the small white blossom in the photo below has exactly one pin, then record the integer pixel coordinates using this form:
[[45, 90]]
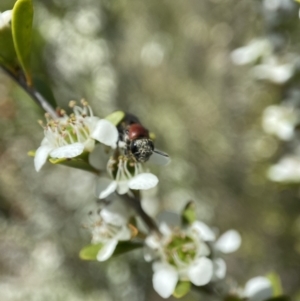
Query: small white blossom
[[228, 242], [252, 52], [182, 255], [5, 19], [109, 226], [287, 170], [280, 121], [273, 70], [258, 289], [70, 136], [124, 174]]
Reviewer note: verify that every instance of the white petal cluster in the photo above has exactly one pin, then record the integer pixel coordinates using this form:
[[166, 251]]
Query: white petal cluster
[[188, 255], [5, 19], [287, 170], [252, 52], [280, 121], [70, 136], [275, 69], [258, 289], [109, 226], [124, 174]]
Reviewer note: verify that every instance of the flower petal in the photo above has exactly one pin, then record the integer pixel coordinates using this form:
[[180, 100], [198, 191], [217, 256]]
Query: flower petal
[[229, 242], [107, 250], [200, 273], [41, 156], [122, 187], [258, 289], [219, 268], [124, 233], [165, 229], [5, 18], [143, 181], [152, 241], [105, 187], [106, 133], [164, 280], [67, 151], [205, 232]]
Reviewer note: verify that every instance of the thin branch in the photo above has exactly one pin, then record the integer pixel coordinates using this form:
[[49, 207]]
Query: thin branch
[[136, 205], [33, 93]]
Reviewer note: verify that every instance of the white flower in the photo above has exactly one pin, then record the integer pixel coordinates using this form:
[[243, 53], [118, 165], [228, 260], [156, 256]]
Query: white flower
[[227, 243], [287, 170], [70, 136], [123, 175], [252, 52], [110, 226], [274, 71], [280, 121], [182, 255], [258, 289], [5, 19]]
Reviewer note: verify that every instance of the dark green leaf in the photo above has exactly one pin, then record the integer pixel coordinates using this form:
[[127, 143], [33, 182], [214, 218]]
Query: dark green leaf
[[182, 288], [43, 88], [8, 56], [90, 252], [126, 246], [188, 214], [115, 117], [22, 17]]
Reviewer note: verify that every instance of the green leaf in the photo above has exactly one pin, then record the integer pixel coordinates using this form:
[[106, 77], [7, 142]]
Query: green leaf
[[21, 24], [42, 87], [126, 246], [8, 56], [182, 288], [276, 284], [90, 252], [77, 162], [115, 117], [188, 215]]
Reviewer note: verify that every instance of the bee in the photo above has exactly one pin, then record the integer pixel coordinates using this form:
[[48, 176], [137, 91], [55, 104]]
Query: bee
[[136, 141]]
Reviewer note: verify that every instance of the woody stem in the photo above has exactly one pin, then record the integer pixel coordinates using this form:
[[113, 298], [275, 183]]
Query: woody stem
[[32, 92]]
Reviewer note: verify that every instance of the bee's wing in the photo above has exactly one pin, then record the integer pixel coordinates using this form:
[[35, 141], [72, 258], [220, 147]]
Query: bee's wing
[[159, 158]]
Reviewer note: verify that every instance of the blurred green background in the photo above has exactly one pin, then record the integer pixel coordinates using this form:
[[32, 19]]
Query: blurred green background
[[168, 62]]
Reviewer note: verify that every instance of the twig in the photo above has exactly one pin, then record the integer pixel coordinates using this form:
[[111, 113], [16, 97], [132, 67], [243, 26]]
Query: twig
[[33, 93]]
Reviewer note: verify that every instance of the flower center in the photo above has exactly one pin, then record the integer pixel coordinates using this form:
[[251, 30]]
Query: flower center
[[102, 231], [70, 129], [181, 250]]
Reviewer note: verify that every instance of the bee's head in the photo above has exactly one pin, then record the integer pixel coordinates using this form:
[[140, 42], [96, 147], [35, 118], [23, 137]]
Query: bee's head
[[142, 149]]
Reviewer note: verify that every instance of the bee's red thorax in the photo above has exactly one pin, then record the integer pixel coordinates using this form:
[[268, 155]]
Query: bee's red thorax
[[136, 131]]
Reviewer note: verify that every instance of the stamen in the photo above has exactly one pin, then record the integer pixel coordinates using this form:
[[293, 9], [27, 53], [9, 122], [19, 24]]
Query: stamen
[[41, 123], [129, 175], [72, 103]]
